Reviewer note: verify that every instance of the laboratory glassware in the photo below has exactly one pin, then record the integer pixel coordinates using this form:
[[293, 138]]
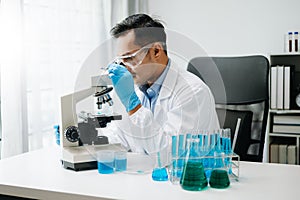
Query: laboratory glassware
[[219, 176], [193, 177]]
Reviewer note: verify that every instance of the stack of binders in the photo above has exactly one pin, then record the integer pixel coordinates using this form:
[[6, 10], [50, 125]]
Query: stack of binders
[[286, 124], [283, 153], [281, 79]]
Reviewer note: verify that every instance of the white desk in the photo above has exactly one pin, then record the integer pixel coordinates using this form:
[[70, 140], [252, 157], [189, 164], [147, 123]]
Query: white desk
[[39, 175]]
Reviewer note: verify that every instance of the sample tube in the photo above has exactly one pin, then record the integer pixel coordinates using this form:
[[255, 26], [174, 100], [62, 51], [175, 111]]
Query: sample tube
[[290, 38], [296, 41], [181, 154]]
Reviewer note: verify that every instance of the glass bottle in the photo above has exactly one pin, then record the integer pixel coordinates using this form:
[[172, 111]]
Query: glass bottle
[[193, 176]]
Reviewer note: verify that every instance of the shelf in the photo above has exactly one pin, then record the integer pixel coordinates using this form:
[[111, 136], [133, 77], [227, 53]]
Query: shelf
[[284, 116], [285, 111], [286, 54], [285, 134]]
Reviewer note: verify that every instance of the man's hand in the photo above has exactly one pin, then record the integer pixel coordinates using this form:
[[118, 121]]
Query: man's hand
[[124, 86]]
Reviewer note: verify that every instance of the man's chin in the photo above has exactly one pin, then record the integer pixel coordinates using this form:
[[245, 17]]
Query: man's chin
[[137, 81]]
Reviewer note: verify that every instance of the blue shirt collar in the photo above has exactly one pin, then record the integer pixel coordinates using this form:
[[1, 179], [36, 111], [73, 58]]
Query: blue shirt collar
[[153, 91]]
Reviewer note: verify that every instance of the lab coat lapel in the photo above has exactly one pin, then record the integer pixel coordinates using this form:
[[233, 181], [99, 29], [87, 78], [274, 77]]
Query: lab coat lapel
[[167, 89], [169, 83]]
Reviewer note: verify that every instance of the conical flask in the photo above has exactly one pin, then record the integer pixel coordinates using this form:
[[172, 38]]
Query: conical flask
[[219, 175], [193, 176]]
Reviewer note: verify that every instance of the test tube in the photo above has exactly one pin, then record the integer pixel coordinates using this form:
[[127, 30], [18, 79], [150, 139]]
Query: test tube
[[181, 146], [212, 148], [226, 143], [206, 153], [201, 143], [174, 146], [174, 159], [296, 41], [181, 155], [290, 38], [218, 147], [187, 137]]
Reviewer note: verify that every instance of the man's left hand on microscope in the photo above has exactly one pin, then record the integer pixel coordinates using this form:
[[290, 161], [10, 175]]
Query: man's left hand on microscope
[[124, 86]]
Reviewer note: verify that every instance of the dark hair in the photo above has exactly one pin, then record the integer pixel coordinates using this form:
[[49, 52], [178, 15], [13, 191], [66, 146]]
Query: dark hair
[[146, 29]]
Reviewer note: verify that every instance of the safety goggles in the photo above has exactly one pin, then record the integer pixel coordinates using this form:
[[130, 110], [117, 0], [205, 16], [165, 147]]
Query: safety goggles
[[135, 59]]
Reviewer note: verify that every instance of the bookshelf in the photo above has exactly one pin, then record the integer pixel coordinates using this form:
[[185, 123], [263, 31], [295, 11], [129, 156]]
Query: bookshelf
[[284, 137], [284, 117]]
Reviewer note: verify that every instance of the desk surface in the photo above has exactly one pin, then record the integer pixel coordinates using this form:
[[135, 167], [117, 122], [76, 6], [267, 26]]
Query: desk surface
[[39, 175]]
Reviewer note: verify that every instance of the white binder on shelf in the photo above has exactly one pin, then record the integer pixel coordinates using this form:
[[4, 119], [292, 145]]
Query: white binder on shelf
[[273, 87], [286, 119], [287, 83], [280, 86]]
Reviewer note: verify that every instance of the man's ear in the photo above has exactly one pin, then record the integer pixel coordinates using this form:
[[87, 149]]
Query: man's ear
[[158, 49]]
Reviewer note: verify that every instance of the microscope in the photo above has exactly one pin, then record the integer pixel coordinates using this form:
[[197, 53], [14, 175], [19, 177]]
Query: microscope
[[79, 137]]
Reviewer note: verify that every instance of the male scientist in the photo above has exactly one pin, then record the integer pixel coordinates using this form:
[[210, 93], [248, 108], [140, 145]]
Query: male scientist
[[160, 98]]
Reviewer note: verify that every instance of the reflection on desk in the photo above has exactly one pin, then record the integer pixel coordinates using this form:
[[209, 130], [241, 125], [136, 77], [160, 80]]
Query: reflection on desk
[[39, 175]]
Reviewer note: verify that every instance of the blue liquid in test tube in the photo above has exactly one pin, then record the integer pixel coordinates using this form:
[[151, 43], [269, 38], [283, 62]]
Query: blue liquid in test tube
[[174, 156], [226, 147], [181, 156], [200, 136], [205, 150], [218, 162]]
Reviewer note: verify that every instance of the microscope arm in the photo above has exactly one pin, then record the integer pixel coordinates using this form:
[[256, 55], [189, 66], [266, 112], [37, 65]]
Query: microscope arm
[[68, 110]]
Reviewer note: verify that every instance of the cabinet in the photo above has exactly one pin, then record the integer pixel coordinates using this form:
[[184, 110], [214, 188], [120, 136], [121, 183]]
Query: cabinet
[[284, 123]]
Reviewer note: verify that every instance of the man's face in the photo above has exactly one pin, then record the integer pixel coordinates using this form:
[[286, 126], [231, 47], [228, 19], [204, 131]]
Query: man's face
[[139, 62]]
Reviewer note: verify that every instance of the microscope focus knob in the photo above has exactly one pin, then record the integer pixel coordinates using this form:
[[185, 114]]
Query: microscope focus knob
[[72, 134]]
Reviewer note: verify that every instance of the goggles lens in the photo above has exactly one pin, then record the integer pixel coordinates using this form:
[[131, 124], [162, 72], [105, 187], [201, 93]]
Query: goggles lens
[[134, 59]]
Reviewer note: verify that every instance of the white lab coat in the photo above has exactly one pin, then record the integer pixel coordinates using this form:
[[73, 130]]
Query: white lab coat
[[184, 104]]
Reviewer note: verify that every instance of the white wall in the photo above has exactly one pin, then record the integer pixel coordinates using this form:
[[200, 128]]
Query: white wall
[[231, 27]]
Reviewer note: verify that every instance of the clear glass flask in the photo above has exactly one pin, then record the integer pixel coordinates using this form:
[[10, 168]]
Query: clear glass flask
[[193, 176], [219, 176]]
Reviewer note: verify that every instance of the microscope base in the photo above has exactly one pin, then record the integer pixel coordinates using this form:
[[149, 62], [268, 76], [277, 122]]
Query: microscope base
[[84, 157], [80, 166]]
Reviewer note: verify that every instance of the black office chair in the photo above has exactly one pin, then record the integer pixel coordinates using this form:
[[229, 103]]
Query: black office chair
[[240, 88]]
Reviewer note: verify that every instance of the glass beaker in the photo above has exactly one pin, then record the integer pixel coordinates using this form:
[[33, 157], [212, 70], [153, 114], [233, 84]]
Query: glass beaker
[[193, 176], [120, 161], [105, 161], [177, 158]]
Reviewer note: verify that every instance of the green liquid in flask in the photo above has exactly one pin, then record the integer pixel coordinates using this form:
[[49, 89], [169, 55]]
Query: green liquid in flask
[[219, 179], [193, 177]]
